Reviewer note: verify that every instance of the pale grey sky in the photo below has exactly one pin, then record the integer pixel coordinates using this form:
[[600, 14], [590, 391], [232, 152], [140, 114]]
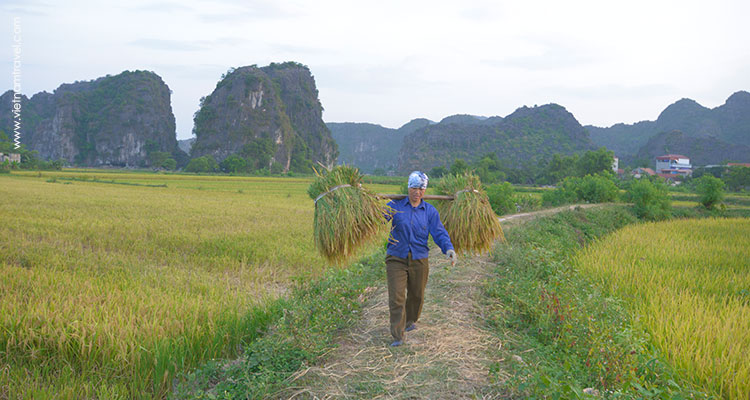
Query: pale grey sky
[[387, 62]]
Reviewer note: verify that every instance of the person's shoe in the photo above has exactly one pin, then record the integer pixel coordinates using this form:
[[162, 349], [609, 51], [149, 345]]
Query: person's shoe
[[411, 327], [397, 343]]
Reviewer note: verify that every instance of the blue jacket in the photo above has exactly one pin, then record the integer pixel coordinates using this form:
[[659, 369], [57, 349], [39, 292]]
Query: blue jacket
[[410, 227]]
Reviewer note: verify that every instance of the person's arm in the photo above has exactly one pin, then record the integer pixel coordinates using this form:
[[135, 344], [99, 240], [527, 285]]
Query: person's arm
[[441, 237]]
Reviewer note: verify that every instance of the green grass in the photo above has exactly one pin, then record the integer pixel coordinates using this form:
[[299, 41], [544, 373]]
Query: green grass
[[109, 290], [306, 328], [569, 333]]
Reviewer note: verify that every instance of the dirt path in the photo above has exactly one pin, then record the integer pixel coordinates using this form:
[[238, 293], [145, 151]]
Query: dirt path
[[447, 357]]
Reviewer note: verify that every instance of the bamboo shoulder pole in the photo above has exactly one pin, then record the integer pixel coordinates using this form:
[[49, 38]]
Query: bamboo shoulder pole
[[426, 197]]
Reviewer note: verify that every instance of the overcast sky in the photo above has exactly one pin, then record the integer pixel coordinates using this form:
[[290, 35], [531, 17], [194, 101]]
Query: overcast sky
[[388, 62]]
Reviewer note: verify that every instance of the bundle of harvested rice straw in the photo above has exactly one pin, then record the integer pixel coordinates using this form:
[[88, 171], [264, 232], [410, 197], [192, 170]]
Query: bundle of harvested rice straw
[[347, 216], [468, 218]]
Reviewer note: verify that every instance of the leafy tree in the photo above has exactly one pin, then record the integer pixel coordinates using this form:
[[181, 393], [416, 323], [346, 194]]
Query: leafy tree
[[650, 199], [561, 195], [6, 145], [489, 169], [559, 168], [459, 167], [599, 188], [710, 189], [169, 164], [234, 164], [202, 164], [594, 162], [501, 198], [258, 153], [717, 172], [277, 168], [737, 178], [437, 172], [157, 158]]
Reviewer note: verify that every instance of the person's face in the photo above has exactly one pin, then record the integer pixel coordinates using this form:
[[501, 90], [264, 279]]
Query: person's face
[[415, 195]]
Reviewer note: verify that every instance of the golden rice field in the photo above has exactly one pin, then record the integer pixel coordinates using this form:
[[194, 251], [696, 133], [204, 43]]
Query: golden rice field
[[111, 283], [687, 283]]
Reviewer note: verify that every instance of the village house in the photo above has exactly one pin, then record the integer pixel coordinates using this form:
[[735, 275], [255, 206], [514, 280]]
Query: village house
[[639, 172], [11, 157], [673, 166]]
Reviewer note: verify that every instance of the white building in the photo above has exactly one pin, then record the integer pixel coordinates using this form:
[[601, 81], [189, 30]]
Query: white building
[[673, 164]]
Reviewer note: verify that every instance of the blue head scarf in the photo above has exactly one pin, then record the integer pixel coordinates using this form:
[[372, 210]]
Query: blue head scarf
[[418, 180]]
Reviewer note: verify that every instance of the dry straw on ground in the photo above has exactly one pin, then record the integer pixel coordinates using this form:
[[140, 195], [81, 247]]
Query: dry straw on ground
[[469, 218], [347, 216]]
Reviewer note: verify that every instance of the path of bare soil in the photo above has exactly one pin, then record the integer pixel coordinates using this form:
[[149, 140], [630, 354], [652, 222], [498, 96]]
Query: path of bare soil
[[447, 357]]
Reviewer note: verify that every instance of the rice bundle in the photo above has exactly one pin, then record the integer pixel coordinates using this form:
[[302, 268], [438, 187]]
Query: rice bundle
[[469, 218], [347, 216]]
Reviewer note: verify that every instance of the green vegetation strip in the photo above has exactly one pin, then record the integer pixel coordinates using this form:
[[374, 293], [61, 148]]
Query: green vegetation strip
[[561, 333], [95, 180], [304, 328]]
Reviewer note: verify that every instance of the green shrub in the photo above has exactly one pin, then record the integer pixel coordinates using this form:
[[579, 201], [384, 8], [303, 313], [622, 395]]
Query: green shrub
[[561, 195], [650, 200], [737, 178], [202, 164], [599, 188], [234, 164], [710, 189], [169, 164], [501, 198]]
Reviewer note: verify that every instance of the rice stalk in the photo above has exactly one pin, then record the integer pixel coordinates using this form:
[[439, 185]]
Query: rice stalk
[[469, 219], [346, 217]]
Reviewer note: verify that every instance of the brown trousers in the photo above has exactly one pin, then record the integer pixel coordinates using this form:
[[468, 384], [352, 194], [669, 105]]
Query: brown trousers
[[407, 279]]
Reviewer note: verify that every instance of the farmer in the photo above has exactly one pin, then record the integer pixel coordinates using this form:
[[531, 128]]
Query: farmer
[[406, 260]]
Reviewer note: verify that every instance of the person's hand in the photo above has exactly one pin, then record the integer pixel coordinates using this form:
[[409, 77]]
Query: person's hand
[[452, 256]]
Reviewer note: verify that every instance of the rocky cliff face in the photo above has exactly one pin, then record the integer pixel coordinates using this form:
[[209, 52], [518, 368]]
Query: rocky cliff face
[[370, 146], [728, 124], [270, 115], [111, 121], [525, 137]]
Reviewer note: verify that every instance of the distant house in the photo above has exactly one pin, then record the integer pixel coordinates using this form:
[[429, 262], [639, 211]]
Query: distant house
[[639, 172], [12, 157], [615, 165], [737, 164], [671, 166]]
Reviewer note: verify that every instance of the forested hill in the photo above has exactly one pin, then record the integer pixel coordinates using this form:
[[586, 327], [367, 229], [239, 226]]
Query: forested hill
[[111, 121], [526, 137], [270, 115], [702, 131], [370, 146], [701, 150]]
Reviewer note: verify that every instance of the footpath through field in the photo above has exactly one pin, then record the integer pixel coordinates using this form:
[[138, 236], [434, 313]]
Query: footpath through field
[[447, 357]]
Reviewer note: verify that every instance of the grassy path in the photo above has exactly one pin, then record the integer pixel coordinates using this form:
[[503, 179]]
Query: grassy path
[[447, 357]]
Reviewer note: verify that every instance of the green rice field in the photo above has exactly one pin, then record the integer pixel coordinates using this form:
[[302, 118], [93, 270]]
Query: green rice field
[[687, 283], [113, 282]]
